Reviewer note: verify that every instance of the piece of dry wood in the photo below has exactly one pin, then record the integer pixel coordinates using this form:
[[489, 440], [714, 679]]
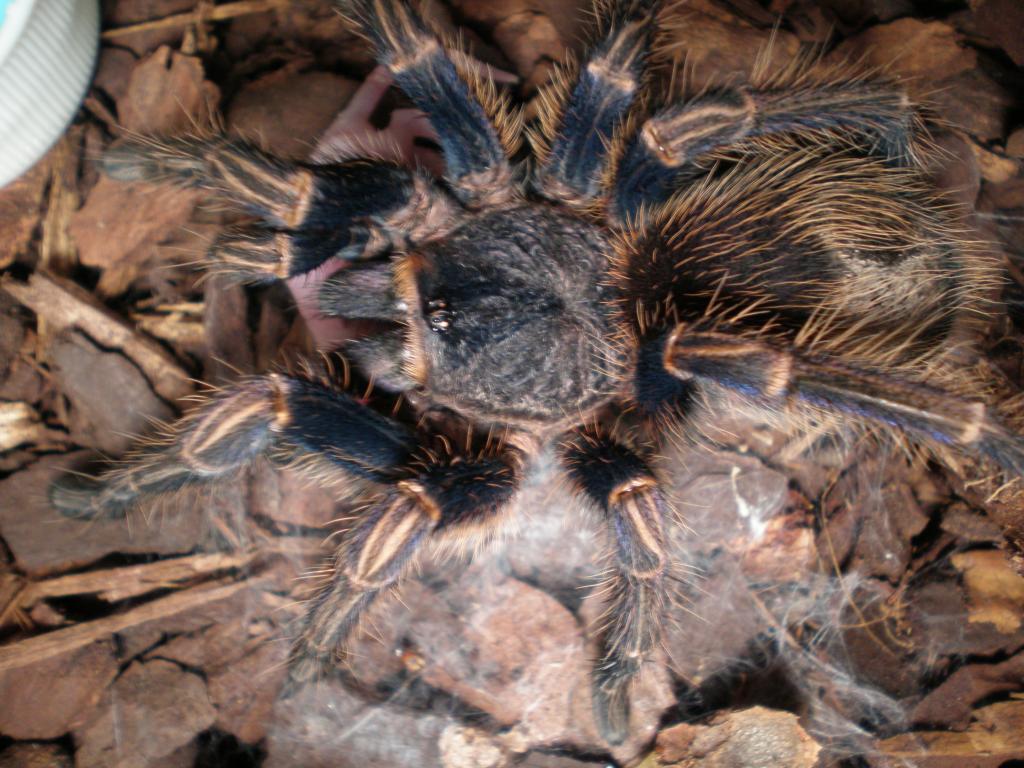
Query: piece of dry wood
[[113, 584], [36, 649], [63, 304], [203, 14], [20, 425]]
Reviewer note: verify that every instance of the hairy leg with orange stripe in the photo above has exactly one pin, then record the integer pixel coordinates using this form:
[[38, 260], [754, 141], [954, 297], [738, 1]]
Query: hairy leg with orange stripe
[[621, 484], [306, 214], [448, 494], [280, 416]]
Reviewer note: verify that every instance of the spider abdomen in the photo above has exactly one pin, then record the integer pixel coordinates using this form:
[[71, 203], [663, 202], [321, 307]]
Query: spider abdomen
[[798, 240]]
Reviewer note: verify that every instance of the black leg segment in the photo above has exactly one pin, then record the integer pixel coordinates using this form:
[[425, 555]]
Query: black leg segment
[[605, 89], [273, 414], [621, 484], [477, 166], [309, 213]]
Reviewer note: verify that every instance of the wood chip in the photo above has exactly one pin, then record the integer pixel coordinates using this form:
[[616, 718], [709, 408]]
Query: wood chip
[[20, 425], [63, 304], [994, 740], [750, 738], [168, 93], [995, 590], [20, 211], [34, 650]]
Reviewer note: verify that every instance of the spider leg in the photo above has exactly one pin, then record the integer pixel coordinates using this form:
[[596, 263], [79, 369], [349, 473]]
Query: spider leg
[[621, 484], [665, 152], [291, 417], [771, 372], [460, 105], [578, 128], [309, 213], [444, 498]]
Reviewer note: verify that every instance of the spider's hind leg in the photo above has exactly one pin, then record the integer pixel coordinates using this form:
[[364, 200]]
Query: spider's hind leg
[[308, 213], [768, 371], [267, 415], [447, 495], [621, 484]]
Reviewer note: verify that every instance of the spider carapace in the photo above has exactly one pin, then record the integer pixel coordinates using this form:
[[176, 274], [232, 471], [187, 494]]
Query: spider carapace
[[774, 244]]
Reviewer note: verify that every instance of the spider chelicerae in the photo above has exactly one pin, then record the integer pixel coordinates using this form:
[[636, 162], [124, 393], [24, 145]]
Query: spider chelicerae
[[772, 245]]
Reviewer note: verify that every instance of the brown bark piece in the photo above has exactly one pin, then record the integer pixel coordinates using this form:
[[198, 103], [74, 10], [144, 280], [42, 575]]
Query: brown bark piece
[[749, 738], [718, 47], [20, 211], [519, 664], [1003, 22], [114, 71], [939, 622], [913, 49], [873, 518], [935, 66], [20, 425], [112, 404], [63, 304], [130, 12], [995, 591], [570, 18], [995, 739], [121, 224], [46, 699], [949, 705], [244, 691], [155, 709], [43, 542], [167, 94], [285, 112], [34, 756], [529, 38], [230, 349], [970, 525], [116, 584]]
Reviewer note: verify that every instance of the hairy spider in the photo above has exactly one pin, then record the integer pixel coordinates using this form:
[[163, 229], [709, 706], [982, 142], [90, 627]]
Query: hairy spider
[[772, 245]]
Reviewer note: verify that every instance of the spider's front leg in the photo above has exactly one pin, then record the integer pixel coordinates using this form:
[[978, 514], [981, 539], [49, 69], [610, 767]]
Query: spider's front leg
[[666, 151], [308, 213], [475, 127], [577, 127], [621, 484]]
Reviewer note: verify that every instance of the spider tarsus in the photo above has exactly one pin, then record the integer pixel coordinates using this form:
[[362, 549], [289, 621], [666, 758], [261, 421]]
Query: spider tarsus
[[611, 705]]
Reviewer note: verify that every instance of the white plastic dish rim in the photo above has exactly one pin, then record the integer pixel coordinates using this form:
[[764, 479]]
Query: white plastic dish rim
[[47, 52], [12, 23]]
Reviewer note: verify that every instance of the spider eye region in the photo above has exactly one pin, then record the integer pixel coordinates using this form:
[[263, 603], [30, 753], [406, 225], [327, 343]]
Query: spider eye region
[[439, 317]]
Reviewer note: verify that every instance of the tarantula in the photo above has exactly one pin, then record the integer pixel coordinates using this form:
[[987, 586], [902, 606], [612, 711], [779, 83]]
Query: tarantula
[[773, 243]]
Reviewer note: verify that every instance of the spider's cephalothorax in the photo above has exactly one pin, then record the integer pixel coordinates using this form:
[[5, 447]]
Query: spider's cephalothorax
[[507, 318], [773, 241]]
